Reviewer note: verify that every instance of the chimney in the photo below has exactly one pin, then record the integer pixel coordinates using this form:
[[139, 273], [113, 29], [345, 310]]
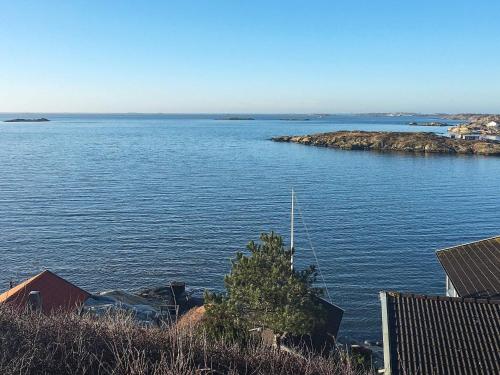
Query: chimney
[[178, 288], [35, 301]]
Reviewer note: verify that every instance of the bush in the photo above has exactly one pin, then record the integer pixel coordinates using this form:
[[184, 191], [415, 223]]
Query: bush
[[32, 343]]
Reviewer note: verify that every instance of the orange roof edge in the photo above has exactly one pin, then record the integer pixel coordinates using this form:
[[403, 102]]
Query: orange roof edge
[[4, 297], [70, 291]]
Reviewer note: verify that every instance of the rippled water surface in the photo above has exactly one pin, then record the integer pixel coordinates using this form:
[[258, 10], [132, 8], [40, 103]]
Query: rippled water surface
[[125, 201]]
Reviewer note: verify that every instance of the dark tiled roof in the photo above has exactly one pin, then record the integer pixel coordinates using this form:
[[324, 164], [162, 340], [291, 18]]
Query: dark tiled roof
[[440, 335], [334, 316], [474, 268]]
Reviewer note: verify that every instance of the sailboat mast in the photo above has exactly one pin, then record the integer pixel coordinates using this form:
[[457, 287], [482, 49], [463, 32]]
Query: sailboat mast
[[291, 232]]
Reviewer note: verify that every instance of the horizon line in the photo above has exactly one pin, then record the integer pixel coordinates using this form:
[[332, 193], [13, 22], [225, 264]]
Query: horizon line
[[248, 113]]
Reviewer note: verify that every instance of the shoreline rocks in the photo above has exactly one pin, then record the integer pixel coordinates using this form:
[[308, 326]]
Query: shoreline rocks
[[395, 142]]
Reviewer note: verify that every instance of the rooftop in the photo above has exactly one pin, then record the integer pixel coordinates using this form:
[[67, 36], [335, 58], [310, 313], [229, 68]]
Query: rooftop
[[440, 335], [56, 293], [473, 268]]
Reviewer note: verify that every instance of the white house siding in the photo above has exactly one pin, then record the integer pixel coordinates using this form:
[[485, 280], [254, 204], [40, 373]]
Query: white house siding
[[450, 289]]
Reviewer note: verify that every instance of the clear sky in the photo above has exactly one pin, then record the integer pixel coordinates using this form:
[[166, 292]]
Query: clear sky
[[249, 56]]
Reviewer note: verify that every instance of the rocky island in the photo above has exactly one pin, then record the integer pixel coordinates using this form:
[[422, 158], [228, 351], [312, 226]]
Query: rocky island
[[433, 123], [395, 141], [42, 119]]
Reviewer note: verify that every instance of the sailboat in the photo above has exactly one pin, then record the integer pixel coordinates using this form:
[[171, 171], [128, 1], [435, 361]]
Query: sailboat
[[334, 313]]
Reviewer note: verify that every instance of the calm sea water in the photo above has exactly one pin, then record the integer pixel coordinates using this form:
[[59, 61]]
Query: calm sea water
[[125, 201]]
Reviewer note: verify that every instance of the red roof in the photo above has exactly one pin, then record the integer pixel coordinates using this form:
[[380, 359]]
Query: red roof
[[57, 293]]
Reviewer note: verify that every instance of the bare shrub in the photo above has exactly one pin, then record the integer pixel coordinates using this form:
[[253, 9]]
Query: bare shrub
[[31, 343]]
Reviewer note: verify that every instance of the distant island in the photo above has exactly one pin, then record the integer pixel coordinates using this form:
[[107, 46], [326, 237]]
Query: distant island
[[235, 118], [395, 141], [42, 119], [464, 116], [433, 123]]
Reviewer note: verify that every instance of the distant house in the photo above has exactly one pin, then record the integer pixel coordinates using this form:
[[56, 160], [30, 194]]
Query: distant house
[[440, 335], [472, 269], [52, 292], [492, 124], [470, 137]]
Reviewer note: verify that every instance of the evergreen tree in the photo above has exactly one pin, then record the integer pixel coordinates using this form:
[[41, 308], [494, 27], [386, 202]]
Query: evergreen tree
[[263, 291]]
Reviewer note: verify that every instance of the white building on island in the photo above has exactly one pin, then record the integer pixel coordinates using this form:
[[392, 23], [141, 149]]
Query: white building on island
[[492, 124]]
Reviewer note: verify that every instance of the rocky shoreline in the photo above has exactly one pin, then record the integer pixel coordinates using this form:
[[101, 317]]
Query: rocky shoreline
[[394, 142]]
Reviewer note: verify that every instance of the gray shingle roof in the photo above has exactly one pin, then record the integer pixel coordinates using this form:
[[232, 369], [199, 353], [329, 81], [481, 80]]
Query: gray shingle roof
[[440, 335], [474, 268]]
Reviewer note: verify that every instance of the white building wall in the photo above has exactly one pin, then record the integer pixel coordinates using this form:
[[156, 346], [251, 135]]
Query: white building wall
[[450, 289]]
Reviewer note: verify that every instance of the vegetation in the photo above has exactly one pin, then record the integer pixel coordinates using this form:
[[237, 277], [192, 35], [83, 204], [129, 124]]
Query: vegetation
[[262, 291], [32, 343]]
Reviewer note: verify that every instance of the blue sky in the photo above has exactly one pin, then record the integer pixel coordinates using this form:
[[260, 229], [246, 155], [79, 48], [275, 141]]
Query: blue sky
[[249, 56]]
